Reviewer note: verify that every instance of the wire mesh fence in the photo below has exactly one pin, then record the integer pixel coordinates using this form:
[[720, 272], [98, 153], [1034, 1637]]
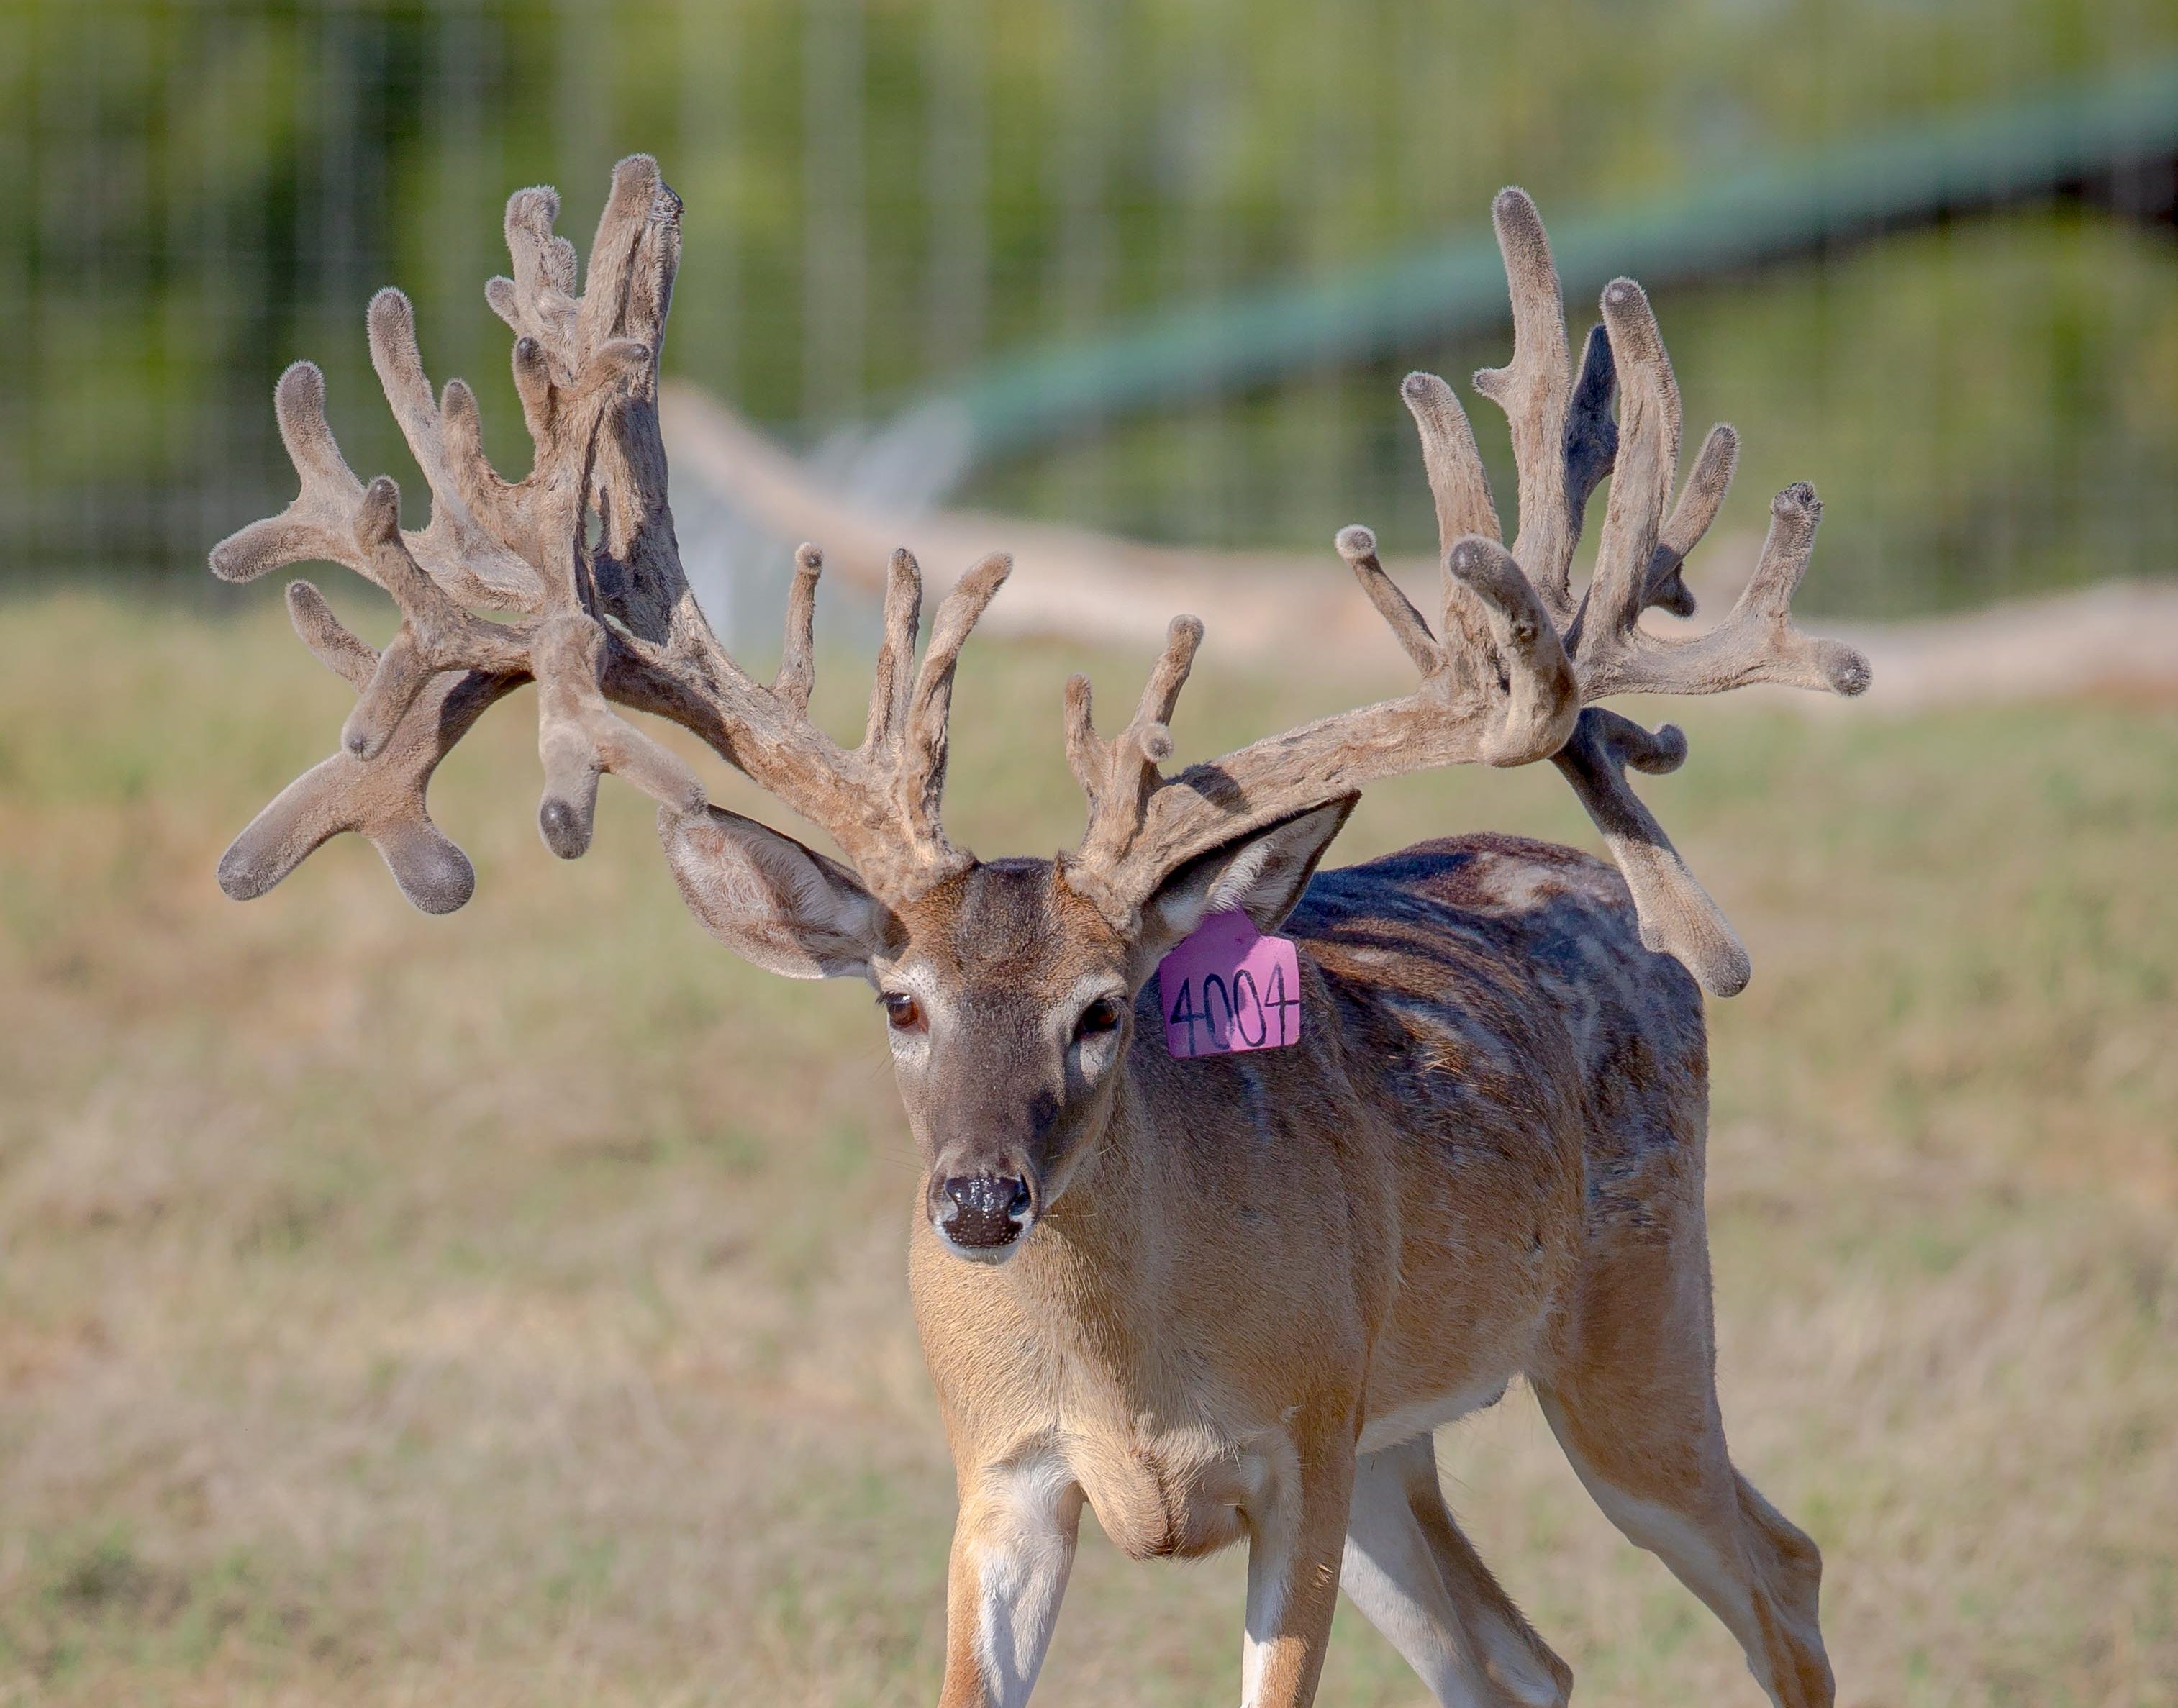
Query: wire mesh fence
[[882, 193]]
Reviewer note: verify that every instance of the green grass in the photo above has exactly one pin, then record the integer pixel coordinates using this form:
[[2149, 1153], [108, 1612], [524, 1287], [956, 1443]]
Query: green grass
[[510, 1308]]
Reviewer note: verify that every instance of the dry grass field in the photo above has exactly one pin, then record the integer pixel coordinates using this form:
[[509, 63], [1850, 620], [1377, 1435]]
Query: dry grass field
[[509, 1308]]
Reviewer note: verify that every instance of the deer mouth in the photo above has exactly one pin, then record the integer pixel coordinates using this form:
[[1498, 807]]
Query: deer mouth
[[982, 1218]]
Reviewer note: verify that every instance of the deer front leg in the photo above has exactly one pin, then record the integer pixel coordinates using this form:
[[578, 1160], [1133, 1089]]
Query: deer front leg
[[1297, 1534], [1013, 1547]]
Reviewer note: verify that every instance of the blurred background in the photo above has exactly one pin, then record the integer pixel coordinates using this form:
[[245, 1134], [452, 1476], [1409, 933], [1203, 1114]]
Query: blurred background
[[436, 1312], [892, 205]]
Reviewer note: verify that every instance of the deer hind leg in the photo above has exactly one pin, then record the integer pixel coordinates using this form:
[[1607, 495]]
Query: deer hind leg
[[1416, 1576], [1632, 1401]]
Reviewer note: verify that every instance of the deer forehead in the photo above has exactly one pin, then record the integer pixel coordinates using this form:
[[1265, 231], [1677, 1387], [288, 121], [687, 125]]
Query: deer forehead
[[1008, 931]]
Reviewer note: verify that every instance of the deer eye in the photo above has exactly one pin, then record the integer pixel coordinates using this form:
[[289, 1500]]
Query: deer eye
[[1103, 1015], [903, 1013]]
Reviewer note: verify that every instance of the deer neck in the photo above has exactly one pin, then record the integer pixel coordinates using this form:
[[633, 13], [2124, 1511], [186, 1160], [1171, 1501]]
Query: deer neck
[[1100, 1264]]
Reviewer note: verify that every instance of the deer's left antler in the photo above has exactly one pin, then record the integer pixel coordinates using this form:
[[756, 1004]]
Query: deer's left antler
[[1504, 679]]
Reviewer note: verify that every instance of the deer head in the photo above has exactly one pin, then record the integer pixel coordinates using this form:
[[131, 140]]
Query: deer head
[[1008, 988]]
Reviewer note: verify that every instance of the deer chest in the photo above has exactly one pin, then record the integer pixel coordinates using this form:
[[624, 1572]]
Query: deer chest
[[1172, 1494]]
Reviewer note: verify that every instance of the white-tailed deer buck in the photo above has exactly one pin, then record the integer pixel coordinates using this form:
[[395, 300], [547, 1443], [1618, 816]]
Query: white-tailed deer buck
[[1213, 1299]]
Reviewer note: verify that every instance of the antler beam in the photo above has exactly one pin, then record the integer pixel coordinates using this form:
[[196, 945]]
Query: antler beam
[[1509, 700]]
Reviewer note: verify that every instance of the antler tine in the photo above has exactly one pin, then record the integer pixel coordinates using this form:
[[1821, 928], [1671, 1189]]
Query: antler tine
[[1532, 390], [319, 523], [656, 265], [1087, 754], [923, 748], [1358, 546], [389, 324], [894, 680], [1150, 730], [1699, 500], [1536, 706], [626, 211], [797, 663], [579, 736], [633, 263], [1461, 489], [1120, 776], [1676, 915], [1757, 642], [435, 634], [1638, 559], [538, 301], [454, 549], [351, 660], [1641, 478], [1458, 480], [380, 799]]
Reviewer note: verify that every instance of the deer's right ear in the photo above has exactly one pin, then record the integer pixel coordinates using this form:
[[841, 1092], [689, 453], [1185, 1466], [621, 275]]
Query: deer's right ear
[[769, 899]]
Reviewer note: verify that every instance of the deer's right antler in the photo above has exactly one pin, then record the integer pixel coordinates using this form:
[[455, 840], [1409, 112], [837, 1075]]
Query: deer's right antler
[[595, 625], [1518, 658]]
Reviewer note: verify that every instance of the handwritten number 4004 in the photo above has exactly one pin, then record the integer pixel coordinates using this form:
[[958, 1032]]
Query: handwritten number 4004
[[1238, 1007]]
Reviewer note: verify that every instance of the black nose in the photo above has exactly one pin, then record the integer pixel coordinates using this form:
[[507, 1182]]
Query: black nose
[[983, 1211]]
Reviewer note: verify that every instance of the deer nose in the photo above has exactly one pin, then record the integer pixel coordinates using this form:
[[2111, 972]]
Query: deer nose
[[981, 1212]]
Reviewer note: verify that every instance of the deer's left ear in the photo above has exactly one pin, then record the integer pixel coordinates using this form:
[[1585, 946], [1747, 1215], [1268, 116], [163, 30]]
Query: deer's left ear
[[1261, 874], [769, 899]]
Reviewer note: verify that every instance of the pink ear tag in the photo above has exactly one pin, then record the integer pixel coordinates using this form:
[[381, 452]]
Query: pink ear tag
[[1229, 987]]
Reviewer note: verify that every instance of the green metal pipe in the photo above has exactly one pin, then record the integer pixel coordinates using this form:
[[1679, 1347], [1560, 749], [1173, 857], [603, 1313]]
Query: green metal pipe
[[1782, 209]]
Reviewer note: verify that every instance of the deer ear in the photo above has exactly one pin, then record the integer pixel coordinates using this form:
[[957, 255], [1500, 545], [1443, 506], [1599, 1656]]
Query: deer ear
[[1261, 874], [769, 899]]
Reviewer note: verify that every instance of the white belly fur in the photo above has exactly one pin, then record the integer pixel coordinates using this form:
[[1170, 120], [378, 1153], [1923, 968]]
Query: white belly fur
[[1410, 1422]]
